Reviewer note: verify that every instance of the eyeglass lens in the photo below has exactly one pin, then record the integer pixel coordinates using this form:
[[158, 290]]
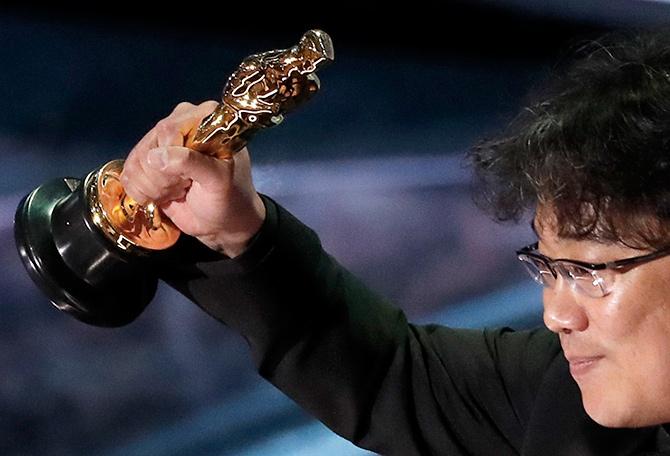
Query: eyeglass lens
[[587, 281]]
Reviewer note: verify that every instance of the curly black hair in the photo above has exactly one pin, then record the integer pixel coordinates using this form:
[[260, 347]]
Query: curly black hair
[[593, 145]]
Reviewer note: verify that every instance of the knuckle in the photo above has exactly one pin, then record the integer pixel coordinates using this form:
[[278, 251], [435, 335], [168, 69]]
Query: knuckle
[[167, 132], [165, 126], [135, 194], [130, 170], [152, 195], [141, 199], [149, 193], [183, 105], [182, 157], [124, 179], [209, 104], [132, 156]]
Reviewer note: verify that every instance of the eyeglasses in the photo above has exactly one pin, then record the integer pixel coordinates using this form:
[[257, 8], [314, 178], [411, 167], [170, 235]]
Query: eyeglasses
[[593, 279]]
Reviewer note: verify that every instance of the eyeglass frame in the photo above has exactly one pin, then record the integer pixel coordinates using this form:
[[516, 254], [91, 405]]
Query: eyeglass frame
[[616, 265]]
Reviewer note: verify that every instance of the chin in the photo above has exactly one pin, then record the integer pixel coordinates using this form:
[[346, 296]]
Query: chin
[[605, 409], [609, 420], [616, 415]]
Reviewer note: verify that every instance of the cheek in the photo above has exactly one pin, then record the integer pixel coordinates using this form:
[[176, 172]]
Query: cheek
[[632, 388], [633, 326], [637, 307]]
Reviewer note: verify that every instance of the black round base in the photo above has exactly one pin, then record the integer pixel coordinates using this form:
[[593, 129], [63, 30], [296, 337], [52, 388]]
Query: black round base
[[113, 303]]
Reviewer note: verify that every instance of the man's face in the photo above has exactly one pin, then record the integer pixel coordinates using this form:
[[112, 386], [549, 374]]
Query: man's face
[[618, 346]]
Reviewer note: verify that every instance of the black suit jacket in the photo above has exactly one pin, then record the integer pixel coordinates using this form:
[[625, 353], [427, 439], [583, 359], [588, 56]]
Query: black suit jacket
[[353, 361]]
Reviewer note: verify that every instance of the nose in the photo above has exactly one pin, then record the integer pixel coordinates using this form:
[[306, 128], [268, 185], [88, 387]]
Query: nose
[[563, 308]]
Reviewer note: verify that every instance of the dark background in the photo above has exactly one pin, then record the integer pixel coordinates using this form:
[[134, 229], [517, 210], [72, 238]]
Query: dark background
[[374, 163]]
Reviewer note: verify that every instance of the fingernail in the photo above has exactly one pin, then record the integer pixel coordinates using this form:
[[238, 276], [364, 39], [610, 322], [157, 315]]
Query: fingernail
[[157, 158]]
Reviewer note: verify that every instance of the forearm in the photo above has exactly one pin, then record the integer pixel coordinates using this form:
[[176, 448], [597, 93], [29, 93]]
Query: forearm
[[343, 353], [301, 313]]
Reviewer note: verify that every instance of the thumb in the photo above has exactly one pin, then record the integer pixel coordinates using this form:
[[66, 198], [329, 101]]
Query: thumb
[[209, 172]]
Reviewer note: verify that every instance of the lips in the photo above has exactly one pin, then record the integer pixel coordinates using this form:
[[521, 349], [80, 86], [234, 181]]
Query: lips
[[581, 365]]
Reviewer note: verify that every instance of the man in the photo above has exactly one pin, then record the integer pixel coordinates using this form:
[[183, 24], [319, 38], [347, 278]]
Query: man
[[589, 159]]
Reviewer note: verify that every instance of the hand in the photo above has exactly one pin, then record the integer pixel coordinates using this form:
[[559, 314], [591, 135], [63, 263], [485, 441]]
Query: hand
[[211, 199]]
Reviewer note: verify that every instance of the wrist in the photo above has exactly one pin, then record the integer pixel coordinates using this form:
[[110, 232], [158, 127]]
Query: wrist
[[234, 242]]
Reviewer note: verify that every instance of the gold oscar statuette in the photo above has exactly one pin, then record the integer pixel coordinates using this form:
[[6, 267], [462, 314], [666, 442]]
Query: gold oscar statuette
[[257, 95], [85, 242]]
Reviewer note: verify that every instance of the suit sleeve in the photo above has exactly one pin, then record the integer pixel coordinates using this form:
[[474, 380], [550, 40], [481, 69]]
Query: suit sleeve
[[351, 359]]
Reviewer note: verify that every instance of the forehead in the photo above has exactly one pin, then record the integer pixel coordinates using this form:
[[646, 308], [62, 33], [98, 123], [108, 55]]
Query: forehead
[[565, 243], [638, 227]]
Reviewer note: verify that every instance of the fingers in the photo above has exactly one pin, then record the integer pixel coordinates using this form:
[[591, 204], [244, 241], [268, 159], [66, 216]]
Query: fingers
[[182, 163], [144, 182], [166, 173], [173, 130]]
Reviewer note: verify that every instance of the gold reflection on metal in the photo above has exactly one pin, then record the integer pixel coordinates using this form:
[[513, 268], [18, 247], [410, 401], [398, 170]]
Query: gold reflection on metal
[[263, 88], [120, 218], [257, 95]]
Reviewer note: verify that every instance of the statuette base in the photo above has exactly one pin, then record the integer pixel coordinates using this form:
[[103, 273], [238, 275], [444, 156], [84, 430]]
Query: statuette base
[[55, 240]]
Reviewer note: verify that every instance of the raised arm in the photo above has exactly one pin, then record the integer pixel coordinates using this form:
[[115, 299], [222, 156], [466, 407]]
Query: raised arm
[[315, 331]]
